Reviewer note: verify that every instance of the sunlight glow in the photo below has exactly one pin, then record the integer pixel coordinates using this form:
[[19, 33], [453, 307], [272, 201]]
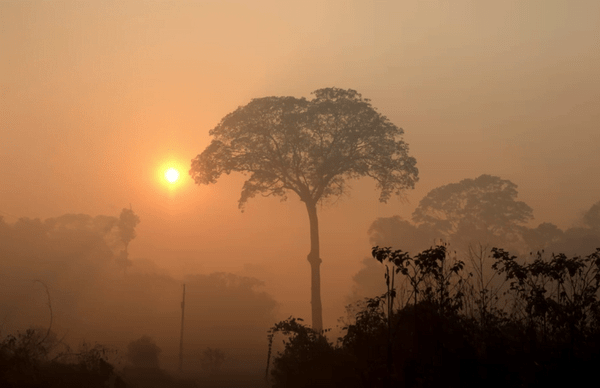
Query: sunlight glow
[[172, 175]]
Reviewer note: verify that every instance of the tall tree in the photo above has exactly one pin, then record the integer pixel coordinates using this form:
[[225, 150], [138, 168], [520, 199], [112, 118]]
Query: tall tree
[[311, 148]]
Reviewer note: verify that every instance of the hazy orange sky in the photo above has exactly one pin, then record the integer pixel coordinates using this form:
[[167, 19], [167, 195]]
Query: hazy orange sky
[[98, 97]]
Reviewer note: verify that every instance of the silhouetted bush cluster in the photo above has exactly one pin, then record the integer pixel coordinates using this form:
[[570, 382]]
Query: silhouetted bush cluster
[[437, 325], [35, 358], [144, 369], [32, 359]]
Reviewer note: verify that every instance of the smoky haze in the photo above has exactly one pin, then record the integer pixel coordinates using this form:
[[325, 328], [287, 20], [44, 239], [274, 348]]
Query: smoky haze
[[100, 98], [72, 274]]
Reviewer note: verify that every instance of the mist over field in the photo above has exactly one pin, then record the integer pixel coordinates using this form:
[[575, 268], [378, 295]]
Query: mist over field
[[257, 153]]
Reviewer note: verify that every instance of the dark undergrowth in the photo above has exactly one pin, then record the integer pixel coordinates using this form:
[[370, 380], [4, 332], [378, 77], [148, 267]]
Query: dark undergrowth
[[536, 325]]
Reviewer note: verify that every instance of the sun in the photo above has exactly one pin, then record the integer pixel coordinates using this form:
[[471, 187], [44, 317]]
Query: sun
[[172, 175]]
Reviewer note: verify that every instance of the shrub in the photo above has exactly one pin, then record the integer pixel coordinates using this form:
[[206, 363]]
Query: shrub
[[143, 353]]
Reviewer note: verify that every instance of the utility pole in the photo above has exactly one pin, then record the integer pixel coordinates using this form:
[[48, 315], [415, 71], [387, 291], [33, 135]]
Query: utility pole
[[181, 337]]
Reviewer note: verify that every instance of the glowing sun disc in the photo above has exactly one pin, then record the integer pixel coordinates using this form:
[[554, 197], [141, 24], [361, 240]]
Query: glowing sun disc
[[172, 175]]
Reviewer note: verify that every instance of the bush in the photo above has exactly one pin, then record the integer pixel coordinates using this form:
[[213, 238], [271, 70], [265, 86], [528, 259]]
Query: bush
[[547, 333], [143, 353], [25, 362]]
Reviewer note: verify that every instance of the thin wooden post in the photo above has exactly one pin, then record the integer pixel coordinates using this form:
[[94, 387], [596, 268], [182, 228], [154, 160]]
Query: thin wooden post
[[181, 337]]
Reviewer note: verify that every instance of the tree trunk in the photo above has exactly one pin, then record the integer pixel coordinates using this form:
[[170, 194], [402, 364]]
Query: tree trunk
[[315, 268]]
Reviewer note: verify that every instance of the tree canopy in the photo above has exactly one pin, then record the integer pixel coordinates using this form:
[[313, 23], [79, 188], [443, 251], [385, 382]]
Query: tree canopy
[[487, 203], [591, 218], [310, 147], [396, 232]]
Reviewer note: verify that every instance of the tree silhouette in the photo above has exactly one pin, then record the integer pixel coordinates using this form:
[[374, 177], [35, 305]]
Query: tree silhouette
[[480, 208], [311, 148], [397, 232], [128, 220], [143, 353], [583, 237], [591, 218]]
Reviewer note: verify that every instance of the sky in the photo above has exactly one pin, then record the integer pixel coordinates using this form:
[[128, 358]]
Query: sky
[[97, 99]]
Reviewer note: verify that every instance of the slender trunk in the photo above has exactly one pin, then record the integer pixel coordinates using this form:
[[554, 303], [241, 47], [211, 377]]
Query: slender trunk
[[315, 268], [390, 311], [181, 336]]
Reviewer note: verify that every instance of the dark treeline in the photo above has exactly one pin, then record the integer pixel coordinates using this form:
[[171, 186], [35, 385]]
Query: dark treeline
[[438, 325]]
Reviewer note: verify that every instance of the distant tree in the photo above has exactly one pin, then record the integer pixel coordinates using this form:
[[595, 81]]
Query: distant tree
[[72, 250], [367, 281], [399, 233], [577, 240], [474, 209], [474, 212], [220, 299], [311, 148], [128, 220], [70, 234], [591, 218], [545, 235], [212, 359], [143, 353]]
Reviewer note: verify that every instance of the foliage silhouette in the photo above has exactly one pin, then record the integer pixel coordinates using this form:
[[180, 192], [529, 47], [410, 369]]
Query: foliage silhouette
[[542, 237], [474, 209], [143, 353], [311, 148], [128, 220], [306, 350], [470, 213], [591, 218], [30, 245], [558, 298], [430, 274], [547, 333], [33, 358], [397, 232], [580, 239]]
